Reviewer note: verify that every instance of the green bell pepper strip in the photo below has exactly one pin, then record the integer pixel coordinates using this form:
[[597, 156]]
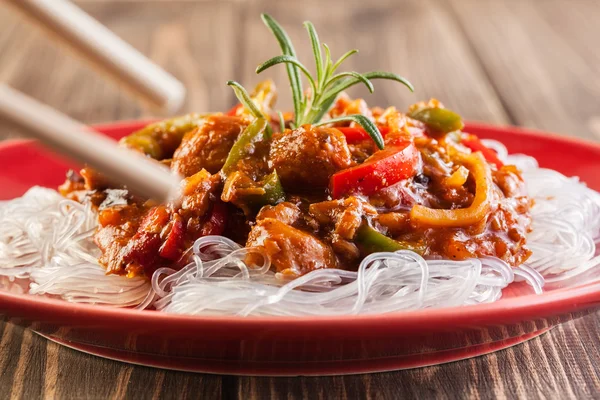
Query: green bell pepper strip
[[271, 185], [438, 119], [273, 192], [253, 133], [370, 241], [161, 139]]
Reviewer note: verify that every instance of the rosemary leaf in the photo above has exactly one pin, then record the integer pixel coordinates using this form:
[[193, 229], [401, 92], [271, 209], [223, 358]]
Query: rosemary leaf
[[363, 121], [389, 76], [288, 49], [287, 60], [316, 48], [245, 100], [281, 121], [344, 84], [356, 75], [328, 63], [342, 59]]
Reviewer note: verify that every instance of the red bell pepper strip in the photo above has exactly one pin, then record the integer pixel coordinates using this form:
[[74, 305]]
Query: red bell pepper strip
[[144, 247], [358, 134], [215, 225], [233, 111], [384, 168], [473, 143], [174, 244], [172, 247]]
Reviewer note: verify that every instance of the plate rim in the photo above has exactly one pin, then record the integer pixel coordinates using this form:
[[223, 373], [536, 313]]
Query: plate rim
[[526, 306]]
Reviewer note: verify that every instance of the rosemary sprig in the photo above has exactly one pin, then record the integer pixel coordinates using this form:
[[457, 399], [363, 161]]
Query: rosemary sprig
[[327, 85]]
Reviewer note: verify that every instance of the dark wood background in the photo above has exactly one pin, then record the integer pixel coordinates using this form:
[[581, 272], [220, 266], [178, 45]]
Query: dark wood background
[[531, 63]]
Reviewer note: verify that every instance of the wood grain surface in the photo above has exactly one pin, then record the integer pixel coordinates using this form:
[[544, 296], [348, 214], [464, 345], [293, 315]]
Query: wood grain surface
[[531, 63]]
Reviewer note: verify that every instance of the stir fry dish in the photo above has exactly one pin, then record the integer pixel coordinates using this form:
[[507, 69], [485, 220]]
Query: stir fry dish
[[320, 186]]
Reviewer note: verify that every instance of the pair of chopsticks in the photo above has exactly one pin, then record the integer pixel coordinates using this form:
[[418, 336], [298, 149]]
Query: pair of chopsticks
[[121, 62]]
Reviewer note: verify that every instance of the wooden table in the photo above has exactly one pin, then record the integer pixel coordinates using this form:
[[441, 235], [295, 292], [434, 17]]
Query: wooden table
[[530, 63]]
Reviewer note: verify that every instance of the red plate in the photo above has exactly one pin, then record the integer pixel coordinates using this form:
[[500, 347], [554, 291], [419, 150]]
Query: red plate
[[302, 346]]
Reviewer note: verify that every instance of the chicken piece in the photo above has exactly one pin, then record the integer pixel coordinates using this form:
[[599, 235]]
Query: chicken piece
[[94, 180], [74, 183], [395, 223], [292, 251], [285, 212], [344, 216], [199, 192], [117, 225], [137, 239], [509, 180], [305, 158], [207, 146]]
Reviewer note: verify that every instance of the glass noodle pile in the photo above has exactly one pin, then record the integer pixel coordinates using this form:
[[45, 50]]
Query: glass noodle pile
[[47, 242], [46, 249]]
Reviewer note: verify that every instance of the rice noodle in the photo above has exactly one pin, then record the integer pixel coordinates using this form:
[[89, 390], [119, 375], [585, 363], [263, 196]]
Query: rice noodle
[[87, 283], [566, 219], [46, 242], [219, 282], [48, 239]]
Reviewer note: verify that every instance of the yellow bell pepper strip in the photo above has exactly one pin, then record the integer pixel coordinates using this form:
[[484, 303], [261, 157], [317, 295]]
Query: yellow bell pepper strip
[[477, 211]]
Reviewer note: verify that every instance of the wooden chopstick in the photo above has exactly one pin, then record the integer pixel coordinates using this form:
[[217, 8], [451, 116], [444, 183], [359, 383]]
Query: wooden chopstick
[[142, 176], [104, 49]]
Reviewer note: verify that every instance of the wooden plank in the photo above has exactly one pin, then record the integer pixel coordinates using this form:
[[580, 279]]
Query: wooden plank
[[179, 36], [417, 39], [562, 361], [541, 59], [539, 368], [578, 26]]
